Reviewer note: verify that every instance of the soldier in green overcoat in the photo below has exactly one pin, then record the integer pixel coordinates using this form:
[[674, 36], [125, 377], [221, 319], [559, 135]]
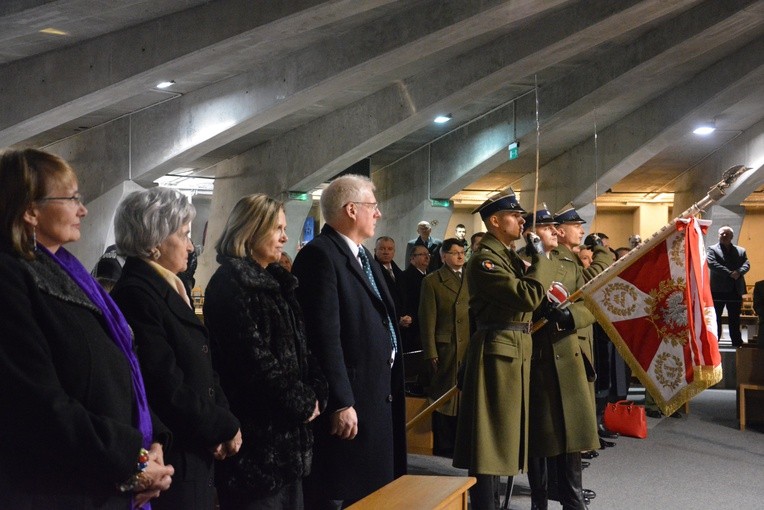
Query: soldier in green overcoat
[[444, 324], [563, 419], [492, 429], [570, 232]]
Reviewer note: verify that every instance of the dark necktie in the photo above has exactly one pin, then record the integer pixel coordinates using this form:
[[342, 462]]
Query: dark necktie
[[370, 276]]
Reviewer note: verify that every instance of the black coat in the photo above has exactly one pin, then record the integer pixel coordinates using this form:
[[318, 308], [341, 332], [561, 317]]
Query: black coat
[[395, 286], [66, 426], [347, 330], [271, 379], [411, 289], [721, 264], [181, 386]]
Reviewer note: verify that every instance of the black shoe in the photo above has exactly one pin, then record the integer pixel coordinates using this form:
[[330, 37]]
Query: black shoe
[[653, 413], [589, 454], [676, 414], [589, 494], [585, 464], [606, 444], [605, 433]]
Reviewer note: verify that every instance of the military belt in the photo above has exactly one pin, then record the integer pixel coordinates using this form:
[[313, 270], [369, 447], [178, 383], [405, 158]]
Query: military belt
[[506, 326]]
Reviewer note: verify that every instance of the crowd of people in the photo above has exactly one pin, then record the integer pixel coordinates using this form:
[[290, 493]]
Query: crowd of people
[[291, 393]]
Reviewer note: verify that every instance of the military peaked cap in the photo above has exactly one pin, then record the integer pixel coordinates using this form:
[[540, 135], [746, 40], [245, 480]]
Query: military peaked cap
[[543, 217], [501, 202], [568, 214]]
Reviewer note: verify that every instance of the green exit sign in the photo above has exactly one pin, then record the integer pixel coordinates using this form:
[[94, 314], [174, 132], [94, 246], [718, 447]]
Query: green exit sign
[[298, 195], [513, 150], [440, 202]]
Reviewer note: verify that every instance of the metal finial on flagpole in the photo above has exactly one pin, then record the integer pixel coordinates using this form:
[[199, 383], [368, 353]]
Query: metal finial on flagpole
[[728, 177]]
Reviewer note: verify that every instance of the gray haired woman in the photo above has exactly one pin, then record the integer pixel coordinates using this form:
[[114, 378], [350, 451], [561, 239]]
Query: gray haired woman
[[152, 232]]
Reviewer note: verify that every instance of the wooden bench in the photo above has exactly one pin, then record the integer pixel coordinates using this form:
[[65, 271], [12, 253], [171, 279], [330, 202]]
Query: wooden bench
[[749, 362], [741, 400], [420, 492]]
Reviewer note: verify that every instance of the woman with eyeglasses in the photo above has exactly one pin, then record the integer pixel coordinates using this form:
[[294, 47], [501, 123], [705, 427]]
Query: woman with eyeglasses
[[75, 427], [260, 350], [152, 228]]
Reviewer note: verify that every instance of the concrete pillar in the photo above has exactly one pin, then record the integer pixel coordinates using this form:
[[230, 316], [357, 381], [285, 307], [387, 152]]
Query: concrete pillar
[[98, 226], [403, 193], [650, 218]]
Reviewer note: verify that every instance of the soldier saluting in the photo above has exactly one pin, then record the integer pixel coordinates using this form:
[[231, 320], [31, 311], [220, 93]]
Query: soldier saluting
[[503, 295]]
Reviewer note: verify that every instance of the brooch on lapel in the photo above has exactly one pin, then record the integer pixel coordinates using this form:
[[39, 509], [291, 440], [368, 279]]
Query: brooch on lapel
[[488, 265]]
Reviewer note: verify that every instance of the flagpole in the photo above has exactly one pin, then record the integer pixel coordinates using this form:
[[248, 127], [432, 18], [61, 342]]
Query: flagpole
[[714, 194]]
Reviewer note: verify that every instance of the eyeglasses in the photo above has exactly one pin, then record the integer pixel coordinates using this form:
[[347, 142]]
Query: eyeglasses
[[374, 206], [455, 253], [421, 255], [77, 199]]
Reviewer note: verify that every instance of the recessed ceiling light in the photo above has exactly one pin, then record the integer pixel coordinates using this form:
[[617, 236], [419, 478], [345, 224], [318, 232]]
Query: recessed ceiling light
[[53, 31], [165, 84], [705, 129], [441, 119]]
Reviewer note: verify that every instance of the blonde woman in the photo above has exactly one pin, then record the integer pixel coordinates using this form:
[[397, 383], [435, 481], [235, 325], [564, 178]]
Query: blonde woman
[[259, 349]]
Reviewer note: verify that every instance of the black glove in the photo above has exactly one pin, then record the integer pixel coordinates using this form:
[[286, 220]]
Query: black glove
[[533, 245], [592, 241], [562, 317]]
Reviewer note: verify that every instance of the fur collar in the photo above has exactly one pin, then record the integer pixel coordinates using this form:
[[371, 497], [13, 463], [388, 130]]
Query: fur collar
[[273, 278]]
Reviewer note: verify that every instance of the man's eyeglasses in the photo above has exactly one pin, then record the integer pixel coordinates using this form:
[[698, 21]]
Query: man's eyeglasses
[[77, 199], [455, 253], [421, 255], [374, 206]]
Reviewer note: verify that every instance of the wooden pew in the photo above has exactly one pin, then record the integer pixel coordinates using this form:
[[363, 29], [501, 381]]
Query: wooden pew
[[419, 492]]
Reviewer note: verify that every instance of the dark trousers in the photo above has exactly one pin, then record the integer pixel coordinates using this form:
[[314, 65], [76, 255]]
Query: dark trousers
[[734, 303], [444, 434], [568, 474], [484, 495]]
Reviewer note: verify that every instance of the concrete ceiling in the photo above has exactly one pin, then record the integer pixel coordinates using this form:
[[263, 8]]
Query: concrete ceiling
[[80, 74]]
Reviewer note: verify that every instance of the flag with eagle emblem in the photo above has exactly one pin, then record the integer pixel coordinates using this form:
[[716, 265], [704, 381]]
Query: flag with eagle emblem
[[656, 307]]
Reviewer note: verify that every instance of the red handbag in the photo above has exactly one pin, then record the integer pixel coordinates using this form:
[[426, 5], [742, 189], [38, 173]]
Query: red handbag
[[626, 418]]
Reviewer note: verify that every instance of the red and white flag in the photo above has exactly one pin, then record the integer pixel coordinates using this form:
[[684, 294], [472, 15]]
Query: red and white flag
[[656, 307]]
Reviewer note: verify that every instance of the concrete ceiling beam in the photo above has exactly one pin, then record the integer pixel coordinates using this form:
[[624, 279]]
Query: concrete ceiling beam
[[363, 59], [628, 143], [467, 157], [58, 86], [487, 68]]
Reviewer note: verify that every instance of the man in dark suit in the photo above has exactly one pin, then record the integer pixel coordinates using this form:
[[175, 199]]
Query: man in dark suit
[[424, 229], [727, 264], [417, 371], [360, 441], [411, 285], [384, 253]]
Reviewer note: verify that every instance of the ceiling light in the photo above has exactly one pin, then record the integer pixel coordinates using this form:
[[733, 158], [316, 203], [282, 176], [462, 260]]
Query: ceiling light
[[165, 84], [442, 119], [53, 31], [705, 129]]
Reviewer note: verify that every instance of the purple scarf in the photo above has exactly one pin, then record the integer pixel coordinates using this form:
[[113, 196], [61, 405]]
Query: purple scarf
[[117, 328]]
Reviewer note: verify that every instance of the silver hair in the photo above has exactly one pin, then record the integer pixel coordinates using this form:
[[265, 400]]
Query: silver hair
[[146, 218], [342, 190]]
